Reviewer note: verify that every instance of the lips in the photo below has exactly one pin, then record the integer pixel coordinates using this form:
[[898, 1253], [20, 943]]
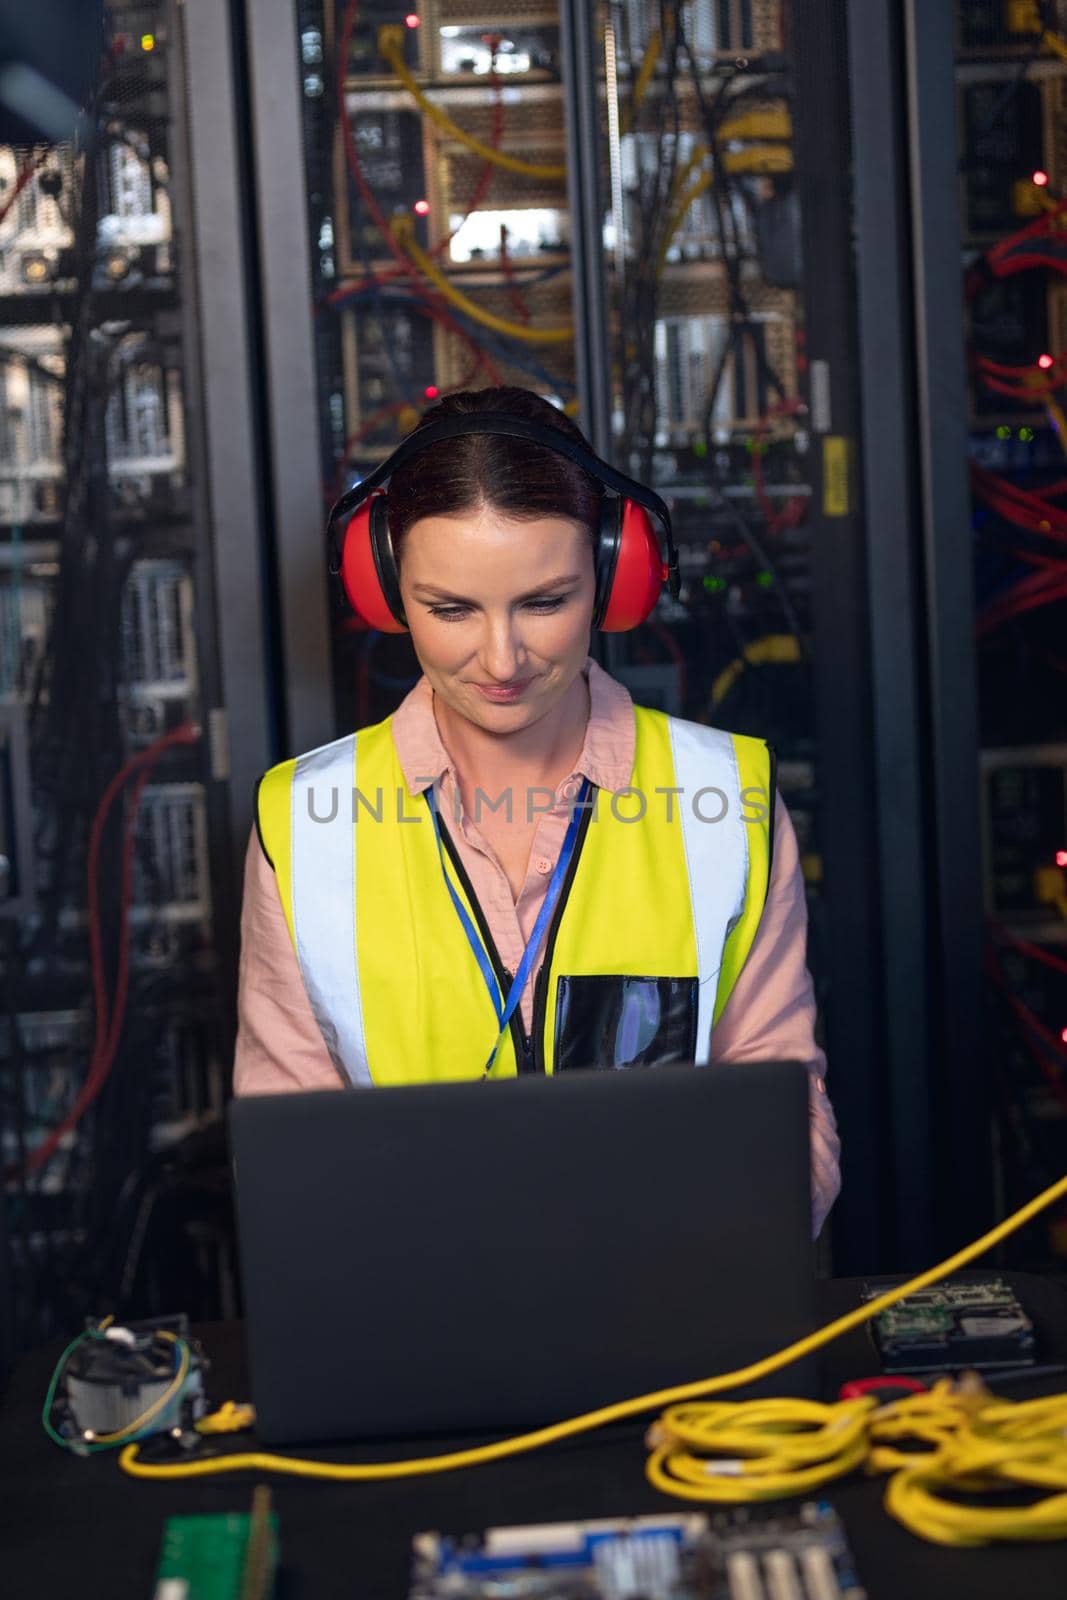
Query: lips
[[503, 691]]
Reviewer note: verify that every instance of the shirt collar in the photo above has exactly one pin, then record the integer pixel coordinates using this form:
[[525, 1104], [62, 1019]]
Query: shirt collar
[[606, 757]]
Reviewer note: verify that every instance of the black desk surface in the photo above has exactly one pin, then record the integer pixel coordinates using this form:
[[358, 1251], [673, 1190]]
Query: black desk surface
[[78, 1527]]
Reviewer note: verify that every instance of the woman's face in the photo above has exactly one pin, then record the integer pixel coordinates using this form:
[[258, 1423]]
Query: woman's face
[[500, 611]]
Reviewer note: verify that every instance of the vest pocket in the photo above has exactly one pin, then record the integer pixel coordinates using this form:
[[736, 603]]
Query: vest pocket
[[618, 1021]]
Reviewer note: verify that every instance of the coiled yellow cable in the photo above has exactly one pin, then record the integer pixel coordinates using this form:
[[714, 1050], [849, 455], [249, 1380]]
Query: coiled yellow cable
[[391, 48], [480, 1455], [962, 1441], [983, 1460], [759, 1450]]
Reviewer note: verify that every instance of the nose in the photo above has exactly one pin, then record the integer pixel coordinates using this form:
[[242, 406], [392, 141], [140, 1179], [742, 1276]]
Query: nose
[[503, 653]]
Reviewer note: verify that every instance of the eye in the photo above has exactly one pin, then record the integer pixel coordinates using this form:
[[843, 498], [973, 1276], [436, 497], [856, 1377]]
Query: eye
[[547, 604], [449, 613]]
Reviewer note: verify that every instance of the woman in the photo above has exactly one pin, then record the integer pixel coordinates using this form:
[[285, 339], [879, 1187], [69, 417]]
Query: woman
[[478, 862]]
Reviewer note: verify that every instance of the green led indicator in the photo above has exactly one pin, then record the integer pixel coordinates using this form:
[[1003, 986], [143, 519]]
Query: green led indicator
[[1026, 435], [700, 449], [1003, 432], [765, 579], [714, 585]]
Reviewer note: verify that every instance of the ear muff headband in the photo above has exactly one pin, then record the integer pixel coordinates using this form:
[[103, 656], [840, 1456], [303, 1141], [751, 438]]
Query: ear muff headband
[[611, 610]]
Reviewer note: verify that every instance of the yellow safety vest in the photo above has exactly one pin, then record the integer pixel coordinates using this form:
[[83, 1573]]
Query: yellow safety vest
[[654, 922]]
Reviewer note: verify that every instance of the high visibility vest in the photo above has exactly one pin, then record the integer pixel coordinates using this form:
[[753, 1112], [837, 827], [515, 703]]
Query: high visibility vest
[[654, 923]]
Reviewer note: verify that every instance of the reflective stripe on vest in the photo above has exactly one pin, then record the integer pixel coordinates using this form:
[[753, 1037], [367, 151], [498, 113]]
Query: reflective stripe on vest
[[316, 872], [676, 891]]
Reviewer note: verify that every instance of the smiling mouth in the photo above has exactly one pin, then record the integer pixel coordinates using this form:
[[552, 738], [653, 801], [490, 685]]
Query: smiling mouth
[[503, 691]]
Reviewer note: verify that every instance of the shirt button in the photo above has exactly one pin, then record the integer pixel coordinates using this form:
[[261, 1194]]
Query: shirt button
[[543, 864]]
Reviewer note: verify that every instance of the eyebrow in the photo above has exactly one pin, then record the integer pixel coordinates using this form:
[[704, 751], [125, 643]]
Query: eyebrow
[[430, 590]]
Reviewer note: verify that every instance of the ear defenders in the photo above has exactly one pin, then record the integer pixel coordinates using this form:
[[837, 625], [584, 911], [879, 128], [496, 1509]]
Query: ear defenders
[[633, 552]]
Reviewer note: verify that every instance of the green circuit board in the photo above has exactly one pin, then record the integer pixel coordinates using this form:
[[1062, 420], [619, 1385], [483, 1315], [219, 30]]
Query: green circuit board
[[228, 1556]]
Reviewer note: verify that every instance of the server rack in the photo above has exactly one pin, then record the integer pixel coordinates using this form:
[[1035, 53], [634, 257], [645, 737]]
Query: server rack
[[125, 800], [1010, 96]]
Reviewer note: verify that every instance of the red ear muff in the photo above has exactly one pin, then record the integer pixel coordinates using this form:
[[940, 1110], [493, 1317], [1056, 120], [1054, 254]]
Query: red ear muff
[[363, 557], [639, 572]]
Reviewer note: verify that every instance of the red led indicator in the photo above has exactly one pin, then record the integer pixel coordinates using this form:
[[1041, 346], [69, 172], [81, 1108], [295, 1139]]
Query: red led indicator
[[431, 392], [1063, 1035], [412, 21], [1045, 362], [421, 208], [1061, 858], [1041, 179]]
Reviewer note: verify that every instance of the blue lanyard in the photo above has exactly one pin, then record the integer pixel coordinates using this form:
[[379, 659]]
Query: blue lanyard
[[504, 1012]]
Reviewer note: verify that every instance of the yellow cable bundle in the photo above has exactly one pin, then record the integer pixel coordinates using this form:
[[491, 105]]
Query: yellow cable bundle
[[759, 158], [933, 1418], [403, 231], [980, 1446], [677, 216], [756, 1450], [642, 81], [773, 122], [974, 1463], [391, 48], [969, 1443]]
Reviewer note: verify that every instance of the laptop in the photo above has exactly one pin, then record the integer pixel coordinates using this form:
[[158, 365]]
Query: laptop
[[462, 1257]]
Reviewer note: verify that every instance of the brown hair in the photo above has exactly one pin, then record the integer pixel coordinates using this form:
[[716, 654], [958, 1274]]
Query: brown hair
[[515, 476]]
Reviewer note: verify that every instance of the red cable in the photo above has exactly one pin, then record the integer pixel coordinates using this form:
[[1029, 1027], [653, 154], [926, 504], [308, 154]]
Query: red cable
[[1030, 391], [1009, 266], [1037, 498], [793, 510], [1033, 583], [1021, 517], [857, 1388], [1041, 226], [1027, 369], [1022, 507], [1029, 499], [1026, 517], [508, 267], [481, 188], [1026, 596], [392, 409], [422, 308], [1034, 952], [107, 1037], [22, 180], [1021, 1010]]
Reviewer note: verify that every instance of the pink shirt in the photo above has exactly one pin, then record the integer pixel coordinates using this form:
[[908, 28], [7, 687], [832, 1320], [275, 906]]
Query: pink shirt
[[770, 1015]]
